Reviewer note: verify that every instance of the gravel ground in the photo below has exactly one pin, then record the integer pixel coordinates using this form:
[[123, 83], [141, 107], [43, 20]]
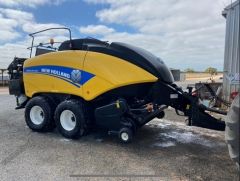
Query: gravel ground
[[162, 150]]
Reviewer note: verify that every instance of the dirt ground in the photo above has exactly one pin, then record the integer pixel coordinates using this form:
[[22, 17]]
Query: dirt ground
[[162, 150]]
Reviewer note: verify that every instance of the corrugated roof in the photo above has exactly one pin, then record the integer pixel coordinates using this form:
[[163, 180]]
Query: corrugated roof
[[232, 5]]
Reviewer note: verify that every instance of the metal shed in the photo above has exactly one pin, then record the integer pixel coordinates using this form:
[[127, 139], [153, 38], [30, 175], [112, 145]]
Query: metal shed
[[176, 74], [4, 77], [231, 77]]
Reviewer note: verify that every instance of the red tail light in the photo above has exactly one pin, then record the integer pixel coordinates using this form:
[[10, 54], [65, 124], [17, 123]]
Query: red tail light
[[233, 95]]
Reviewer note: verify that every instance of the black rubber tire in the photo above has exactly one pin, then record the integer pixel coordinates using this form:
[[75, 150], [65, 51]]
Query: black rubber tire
[[129, 133], [53, 106], [161, 115], [77, 109], [232, 130], [48, 112]]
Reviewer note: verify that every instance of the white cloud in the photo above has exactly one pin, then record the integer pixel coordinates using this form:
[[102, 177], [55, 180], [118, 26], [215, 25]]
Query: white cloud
[[11, 21], [96, 30], [19, 49], [19, 16], [31, 27], [7, 24], [7, 30], [168, 49], [8, 35], [29, 3], [14, 24], [184, 33], [9, 50]]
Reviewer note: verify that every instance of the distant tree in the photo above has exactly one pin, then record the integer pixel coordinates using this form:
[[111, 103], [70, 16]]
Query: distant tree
[[211, 70], [189, 70]]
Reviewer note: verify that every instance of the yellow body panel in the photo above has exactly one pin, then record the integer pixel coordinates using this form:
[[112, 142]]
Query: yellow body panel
[[100, 72], [39, 83], [63, 58], [111, 72]]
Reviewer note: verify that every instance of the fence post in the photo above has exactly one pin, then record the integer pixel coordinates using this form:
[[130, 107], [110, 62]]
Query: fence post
[[2, 75]]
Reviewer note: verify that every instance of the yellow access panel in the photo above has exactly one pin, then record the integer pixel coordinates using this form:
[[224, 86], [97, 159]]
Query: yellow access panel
[[57, 72], [111, 72]]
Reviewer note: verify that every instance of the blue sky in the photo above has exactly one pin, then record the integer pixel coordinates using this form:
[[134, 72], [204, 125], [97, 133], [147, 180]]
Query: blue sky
[[75, 13], [182, 34]]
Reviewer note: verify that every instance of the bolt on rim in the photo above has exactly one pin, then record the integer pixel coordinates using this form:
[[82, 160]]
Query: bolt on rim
[[68, 120], [37, 115], [124, 136]]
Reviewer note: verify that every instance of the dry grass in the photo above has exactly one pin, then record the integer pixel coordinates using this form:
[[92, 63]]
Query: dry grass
[[202, 76]]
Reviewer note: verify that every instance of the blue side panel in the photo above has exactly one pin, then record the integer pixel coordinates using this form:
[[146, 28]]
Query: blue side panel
[[86, 76], [76, 77]]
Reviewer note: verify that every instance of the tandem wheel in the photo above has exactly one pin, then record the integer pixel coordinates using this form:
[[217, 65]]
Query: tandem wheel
[[39, 114], [70, 119]]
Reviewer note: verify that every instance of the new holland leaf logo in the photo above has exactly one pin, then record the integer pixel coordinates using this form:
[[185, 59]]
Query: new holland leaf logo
[[76, 76]]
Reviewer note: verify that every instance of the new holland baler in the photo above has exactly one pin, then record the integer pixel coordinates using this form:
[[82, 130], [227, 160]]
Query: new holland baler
[[88, 83]]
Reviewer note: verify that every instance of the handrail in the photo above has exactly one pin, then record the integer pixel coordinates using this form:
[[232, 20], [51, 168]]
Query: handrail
[[57, 28]]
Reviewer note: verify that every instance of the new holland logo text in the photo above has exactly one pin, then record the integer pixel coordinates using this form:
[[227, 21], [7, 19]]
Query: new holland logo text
[[56, 72], [73, 76]]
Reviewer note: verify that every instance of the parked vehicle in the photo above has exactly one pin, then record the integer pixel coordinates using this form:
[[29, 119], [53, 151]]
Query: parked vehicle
[[89, 83]]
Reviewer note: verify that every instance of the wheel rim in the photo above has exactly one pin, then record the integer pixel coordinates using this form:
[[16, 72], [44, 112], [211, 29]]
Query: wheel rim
[[68, 120], [124, 136], [37, 115]]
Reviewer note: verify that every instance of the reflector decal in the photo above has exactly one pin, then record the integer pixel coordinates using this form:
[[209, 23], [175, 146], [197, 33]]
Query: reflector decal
[[173, 96], [76, 77]]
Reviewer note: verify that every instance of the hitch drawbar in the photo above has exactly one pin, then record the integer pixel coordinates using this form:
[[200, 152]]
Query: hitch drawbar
[[200, 115], [197, 113], [201, 118]]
